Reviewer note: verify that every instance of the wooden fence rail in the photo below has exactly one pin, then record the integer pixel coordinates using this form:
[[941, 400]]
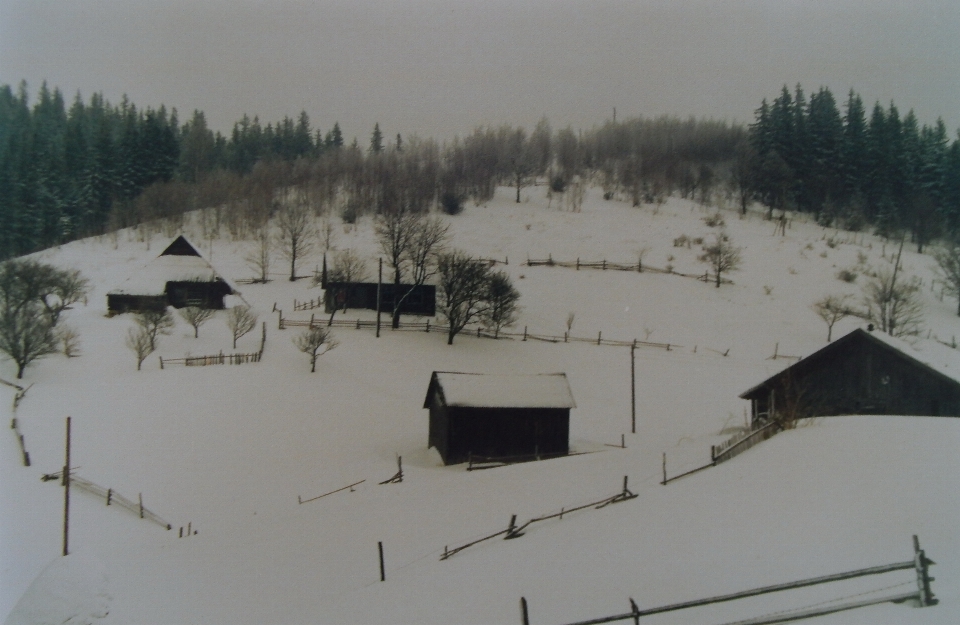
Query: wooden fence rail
[[15, 426], [515, 531], [605, 265], [221, 358], [480, 332], [111, 496], [922, 595], [736, 445]]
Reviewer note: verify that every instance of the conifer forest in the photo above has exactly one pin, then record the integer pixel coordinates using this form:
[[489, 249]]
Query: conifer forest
[[91, 166]]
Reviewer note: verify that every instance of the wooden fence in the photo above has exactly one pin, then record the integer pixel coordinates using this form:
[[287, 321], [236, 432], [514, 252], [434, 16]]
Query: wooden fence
[[515, 531], [221, 358], [307, 305], [922, 595], [111, 496], [478, 331], [14, 424], [736, 445], [605, 265]]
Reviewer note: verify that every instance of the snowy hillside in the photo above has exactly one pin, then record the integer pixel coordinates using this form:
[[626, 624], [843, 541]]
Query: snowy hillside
[[231, 450]]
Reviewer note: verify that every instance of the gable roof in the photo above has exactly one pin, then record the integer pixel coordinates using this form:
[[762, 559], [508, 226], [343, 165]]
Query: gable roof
[[936, 359], [179, 262], [477, 390], [180, 247]]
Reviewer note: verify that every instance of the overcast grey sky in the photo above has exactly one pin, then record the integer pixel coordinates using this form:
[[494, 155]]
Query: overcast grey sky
[[438, 68]]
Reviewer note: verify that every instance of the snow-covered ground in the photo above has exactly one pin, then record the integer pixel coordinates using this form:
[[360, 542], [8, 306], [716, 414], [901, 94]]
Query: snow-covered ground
[[230, 449]]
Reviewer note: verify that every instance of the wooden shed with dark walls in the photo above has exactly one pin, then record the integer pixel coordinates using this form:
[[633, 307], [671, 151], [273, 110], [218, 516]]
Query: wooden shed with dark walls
[[420, 299], [180, 276], [499, 416], [863, 372]]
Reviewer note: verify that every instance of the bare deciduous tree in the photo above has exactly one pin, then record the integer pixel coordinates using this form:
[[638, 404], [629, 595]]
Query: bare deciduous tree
[[832, 309], [26, 335], [33, 295], [948, 266], [296, 235], [311, 340], [411, 243], [463, 290], [140, 342], [196, 317], [155, 323], [240, 320], [722, 256], [258, 258], [894, 306], [502, 307], [348, 267]]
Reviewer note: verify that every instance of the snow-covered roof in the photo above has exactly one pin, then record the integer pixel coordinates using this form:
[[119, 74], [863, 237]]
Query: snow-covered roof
[[476, 390], [938, 357], [170, 267]]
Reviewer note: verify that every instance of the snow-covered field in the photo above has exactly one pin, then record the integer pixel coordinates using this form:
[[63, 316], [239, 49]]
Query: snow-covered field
[[230, 449]]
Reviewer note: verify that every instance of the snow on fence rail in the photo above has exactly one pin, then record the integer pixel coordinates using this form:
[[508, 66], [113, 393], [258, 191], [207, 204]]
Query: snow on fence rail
[[922, 595], [515, 531], [736, 445], [219, 359], [111, 496], [605, 265]]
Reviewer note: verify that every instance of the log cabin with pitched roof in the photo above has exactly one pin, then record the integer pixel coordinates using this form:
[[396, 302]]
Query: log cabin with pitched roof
[[863, 372], [498, 416], [180, 276]]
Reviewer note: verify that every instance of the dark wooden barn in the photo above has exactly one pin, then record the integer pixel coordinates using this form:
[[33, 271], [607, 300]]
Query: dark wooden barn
[[180, 276], [498, 416], [421, 300], [862, 373]]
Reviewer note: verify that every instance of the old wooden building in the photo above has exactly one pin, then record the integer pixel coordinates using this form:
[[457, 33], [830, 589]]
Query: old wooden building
[[863, 372], [180, 276], [499, 416], [418, 300]]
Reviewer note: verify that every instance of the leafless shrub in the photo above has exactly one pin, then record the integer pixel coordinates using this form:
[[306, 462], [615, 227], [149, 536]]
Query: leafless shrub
[[196, 317], [240, 320], [69, 341], [832, 309], [140, 342], [311, 340]]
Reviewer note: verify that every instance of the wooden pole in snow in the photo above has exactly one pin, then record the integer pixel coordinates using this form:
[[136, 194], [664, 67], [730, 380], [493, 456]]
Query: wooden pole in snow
[[633, 389], [523, 611], [379, 282], [383, 573], [66, 495]]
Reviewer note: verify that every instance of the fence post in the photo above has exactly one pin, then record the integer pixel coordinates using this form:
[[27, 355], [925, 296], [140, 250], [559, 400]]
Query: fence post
[[524, 333], [664, 482], [428, 326], [524, 617], [578, 263], [280, 321], [599, 337], [141, 505], [383, 573], [478, 331], [604, 264], [109, 495], [311, 321], [161, 362]]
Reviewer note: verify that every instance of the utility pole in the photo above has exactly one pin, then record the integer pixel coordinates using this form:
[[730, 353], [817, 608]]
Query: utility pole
[[66, 495], [379, 282], [633, 389]]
